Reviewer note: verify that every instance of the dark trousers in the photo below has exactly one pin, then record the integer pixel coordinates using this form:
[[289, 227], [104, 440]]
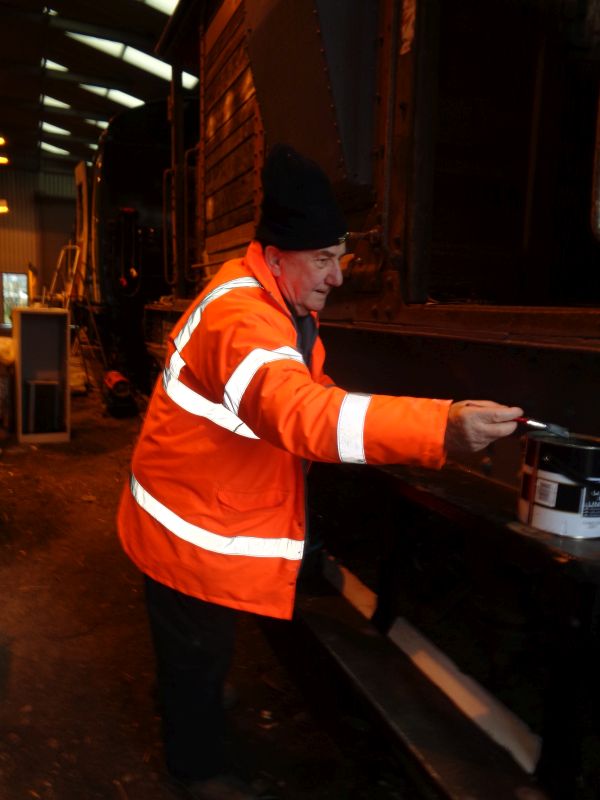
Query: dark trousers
[[193, 641]]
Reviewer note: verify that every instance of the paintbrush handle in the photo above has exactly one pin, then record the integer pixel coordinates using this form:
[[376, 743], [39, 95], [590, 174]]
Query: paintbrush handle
[[553, 430], [533, 423]]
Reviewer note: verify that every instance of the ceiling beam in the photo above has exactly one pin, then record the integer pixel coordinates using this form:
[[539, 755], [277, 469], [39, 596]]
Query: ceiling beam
[[29, 34], [58, 23]]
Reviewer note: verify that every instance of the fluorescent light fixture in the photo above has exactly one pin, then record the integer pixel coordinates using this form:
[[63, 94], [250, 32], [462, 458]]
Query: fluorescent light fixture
[[52, 101], [101, 90], [99, 122], [4, 160], [114, 94], [165, 6], [93, 145], [147, 63], [135, 57], [124, 98], [4, 206], [188, 81], [156, 67], [53, 65], [49, 128], [105, 45], [50, 148]]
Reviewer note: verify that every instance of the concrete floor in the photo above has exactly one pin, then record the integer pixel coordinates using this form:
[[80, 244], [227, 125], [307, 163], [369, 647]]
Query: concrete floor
[[77, 714]]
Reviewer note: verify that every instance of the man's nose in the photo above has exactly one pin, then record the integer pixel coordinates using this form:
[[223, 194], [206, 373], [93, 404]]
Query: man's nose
[[335, 277]]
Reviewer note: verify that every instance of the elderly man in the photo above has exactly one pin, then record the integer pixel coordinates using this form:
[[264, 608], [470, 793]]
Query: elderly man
[[214, 515]]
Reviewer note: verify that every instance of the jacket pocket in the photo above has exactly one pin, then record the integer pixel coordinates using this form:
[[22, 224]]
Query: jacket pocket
[[247, 502]]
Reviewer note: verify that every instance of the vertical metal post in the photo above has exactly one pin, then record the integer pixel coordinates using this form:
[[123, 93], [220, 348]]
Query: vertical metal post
[[390, 104], [177, 166], [420, 209], [534, 137], [200, 210], [595, 205]]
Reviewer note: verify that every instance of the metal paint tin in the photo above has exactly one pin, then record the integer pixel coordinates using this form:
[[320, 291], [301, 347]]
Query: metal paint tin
[[560, 485]]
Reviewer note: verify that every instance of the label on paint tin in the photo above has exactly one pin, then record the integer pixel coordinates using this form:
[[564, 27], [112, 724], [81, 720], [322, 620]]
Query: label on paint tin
[[591, 502], [545, 492]]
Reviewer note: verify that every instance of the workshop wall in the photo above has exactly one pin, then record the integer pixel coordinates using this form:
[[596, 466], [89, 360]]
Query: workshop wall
[[40, 221]]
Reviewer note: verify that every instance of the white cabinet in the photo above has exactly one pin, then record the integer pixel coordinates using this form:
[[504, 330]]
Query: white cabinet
[[42, 394]]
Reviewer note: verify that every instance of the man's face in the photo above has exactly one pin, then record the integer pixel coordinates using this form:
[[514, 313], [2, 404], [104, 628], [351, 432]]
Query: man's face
[[305, 277]]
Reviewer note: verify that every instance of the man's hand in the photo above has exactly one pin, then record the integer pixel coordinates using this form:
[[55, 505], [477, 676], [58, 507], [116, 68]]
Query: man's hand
[[473, 424]]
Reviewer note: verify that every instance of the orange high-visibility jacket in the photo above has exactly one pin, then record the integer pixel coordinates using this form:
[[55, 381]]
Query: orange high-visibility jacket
[[215, 506]]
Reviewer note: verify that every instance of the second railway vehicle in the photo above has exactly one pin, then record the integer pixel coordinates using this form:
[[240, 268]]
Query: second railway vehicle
[[463, 141]]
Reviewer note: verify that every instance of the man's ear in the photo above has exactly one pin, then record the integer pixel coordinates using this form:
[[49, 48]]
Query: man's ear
[[273, 258]]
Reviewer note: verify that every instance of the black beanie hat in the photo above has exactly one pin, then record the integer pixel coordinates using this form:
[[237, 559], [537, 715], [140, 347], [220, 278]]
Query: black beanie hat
[[299, 210]]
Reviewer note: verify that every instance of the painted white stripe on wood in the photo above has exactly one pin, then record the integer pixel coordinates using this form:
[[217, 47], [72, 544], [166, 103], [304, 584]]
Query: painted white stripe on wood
[[475, 702]]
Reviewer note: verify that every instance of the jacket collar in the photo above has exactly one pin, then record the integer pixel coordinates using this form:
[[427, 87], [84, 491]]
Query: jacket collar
[[255, 261]]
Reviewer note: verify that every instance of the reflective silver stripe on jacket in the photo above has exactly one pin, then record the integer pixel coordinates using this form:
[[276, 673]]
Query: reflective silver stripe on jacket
[[193, 402], [252, 546], [187, 398], [185, 334], [351, 428], [224, 415], [247, 369]]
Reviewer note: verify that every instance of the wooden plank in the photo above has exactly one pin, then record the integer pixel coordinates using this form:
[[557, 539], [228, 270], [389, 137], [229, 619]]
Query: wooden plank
[[216, 44], [212, 269], [229, 143], [234, 165], [244, 113], [230, 238], [228, 82], [212, 266], [235, 53], [226, 255], [235, 194], [240, 92], [450, 751], [232, 220]]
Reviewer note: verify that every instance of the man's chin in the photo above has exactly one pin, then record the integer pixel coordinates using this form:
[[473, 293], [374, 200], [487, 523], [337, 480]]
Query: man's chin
[[319, 301]]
